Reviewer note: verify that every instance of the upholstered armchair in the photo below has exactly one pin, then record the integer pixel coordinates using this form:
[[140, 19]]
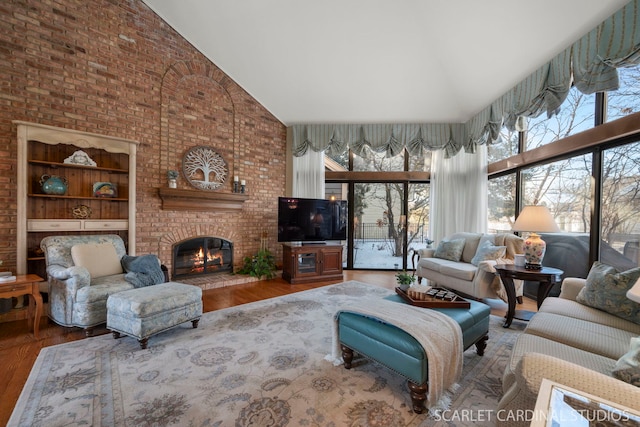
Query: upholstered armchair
[[82, 272]]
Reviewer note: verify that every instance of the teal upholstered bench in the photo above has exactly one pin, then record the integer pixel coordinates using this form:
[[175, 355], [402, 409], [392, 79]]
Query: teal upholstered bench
[[143, 312], [395, 349]]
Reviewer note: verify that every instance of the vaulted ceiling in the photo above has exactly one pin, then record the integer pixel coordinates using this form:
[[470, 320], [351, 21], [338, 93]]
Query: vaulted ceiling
[[380, 61]]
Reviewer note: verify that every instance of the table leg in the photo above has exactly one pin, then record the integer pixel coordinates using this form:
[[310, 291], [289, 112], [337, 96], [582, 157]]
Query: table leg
[[31, 303], [510, 288], [543, 291], [37, 300]]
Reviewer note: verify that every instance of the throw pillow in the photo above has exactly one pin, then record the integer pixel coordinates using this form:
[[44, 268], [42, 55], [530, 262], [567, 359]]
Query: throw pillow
[[606, 289], [143, 270], [100, 259], [450, 249], [628, 366], [488, 251]]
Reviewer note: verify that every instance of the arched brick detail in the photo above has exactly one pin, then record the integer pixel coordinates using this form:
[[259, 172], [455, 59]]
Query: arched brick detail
[[207, 78]]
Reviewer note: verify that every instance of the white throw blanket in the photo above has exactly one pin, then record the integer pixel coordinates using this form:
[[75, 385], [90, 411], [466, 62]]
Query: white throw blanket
[[439, 335]]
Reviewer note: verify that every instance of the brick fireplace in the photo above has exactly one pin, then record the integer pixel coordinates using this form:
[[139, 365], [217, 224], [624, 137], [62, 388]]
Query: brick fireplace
[[195, 235]]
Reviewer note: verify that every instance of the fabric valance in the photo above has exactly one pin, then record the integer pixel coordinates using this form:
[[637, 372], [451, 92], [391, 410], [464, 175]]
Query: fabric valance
[[382, 138], [591, 64]]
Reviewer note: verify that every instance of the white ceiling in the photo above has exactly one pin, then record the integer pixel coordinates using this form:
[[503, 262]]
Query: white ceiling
[[380, 61]]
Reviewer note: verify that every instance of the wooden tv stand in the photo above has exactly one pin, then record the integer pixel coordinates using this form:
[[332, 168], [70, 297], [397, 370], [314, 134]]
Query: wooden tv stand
[[311, 262]]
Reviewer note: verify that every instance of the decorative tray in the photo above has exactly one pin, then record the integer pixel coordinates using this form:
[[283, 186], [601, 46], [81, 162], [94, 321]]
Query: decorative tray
[[441, 298]]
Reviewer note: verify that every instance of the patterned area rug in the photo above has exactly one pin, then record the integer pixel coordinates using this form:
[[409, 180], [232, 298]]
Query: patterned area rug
[[259, 364]]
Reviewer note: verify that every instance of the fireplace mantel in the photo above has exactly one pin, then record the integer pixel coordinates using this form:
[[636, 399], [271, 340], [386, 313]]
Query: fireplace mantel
[[195, 200]]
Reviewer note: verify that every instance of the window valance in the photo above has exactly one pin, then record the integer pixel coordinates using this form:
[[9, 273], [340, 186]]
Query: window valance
[[591, 64], [382, 138]]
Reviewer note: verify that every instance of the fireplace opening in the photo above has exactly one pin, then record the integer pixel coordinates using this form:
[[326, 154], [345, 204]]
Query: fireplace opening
[[202, 255]]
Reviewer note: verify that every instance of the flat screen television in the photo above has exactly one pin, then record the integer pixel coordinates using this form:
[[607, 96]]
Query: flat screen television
[[311, 220]]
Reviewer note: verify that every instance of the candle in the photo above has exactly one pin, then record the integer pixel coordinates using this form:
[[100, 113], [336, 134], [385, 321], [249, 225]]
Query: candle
[[235, 178], [242, 182]]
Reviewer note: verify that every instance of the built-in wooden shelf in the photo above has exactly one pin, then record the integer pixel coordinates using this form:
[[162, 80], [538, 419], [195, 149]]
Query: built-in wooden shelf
[[196, 200]]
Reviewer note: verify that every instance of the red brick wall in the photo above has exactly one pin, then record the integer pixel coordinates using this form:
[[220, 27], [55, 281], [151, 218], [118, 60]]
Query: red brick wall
[[115, 68]]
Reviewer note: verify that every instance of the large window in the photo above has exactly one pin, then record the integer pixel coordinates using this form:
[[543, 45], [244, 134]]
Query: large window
[[594, 193], [565, 188], [379, 230], [389, 206], [620, 211]]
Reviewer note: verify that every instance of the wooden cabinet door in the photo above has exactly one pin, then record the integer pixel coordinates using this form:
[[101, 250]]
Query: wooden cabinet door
[[332, 260]]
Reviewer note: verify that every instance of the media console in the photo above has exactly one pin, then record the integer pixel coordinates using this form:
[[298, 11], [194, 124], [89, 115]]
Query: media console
[[309, 263]]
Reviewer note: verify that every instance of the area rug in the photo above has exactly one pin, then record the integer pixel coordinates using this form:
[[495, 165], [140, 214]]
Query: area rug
[[258, 364]]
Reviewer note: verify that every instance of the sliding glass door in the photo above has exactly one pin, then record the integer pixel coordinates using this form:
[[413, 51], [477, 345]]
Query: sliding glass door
[[378, 238]]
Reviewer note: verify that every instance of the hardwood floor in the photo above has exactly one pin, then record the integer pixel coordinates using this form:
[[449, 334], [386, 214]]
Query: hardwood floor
[[19, 349]]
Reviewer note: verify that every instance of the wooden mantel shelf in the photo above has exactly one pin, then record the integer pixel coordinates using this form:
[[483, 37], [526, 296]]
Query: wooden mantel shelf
[[194, 200]]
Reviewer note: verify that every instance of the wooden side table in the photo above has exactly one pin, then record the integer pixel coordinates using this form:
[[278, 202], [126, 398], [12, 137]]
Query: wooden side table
[[27, 284], [546, 278]]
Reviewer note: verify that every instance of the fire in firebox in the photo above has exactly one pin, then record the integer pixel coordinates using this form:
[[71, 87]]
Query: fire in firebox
[[202, 255]]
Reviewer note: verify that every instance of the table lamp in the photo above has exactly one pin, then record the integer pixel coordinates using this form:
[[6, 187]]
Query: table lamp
[[634, 293], [535, 219]]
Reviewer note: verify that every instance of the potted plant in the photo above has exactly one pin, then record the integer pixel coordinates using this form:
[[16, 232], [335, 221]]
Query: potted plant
[[263, 264], [404, 279], [172, 176]]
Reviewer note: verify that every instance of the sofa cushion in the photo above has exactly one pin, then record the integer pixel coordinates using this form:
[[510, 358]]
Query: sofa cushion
[[488, 251], [627, 367], [576, 310], [471, 241], [606, 290], [584, 335], [459, 270], [450, 249], [528, 343], [100, 259], [101, 288]]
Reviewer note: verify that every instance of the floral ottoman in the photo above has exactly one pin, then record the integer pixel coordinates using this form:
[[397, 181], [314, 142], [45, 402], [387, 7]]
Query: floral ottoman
[[143, 312]]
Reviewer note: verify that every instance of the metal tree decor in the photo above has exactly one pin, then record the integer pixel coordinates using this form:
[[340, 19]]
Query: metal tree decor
[[204, 168]]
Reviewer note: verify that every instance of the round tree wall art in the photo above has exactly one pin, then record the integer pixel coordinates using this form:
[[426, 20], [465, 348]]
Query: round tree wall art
[[204, 168]]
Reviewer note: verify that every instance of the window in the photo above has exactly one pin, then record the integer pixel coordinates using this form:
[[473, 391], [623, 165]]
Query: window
[[390, 212], [502, 203], [620, 210], [505, 148], [372, 161], [420, 163], [565, 188], [379, 231], [576, 115], [626, 99]]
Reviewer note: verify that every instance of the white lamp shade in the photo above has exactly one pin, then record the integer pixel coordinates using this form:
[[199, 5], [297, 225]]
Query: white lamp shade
[[537, 219], [634, 293]]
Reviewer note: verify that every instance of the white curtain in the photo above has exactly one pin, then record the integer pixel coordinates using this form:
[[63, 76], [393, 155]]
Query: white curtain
[[308, 175], [458, 193]]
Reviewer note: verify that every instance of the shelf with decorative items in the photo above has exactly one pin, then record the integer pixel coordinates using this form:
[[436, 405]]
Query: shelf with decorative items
[[206, 172], [72, 182]]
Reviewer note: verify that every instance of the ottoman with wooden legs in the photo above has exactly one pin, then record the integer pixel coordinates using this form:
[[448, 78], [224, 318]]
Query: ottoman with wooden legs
[[399, 351], [143, 312]]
